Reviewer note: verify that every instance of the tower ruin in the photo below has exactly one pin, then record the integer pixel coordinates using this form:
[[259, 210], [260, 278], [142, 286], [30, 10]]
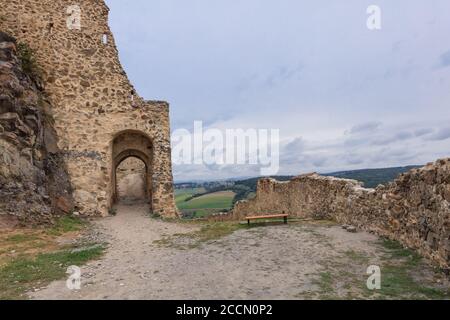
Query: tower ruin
[[99, 118]]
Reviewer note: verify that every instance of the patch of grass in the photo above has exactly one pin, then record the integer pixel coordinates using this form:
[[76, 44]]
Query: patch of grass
[[396, 281], [208, 232], [396, 251], [325, 284], [66, 224], [33, 257], [24, 273], [358, 257], [20, 238], [397, 275], [216, 230], [403, 276]]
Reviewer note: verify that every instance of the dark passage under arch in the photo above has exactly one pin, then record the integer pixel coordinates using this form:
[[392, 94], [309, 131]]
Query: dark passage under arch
[[128, 145]]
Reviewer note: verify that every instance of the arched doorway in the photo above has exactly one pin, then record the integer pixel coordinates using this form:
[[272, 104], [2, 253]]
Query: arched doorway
[[132, 152]]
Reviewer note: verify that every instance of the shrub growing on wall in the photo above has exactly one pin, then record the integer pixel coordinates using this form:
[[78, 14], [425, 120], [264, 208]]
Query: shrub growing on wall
[[28, 61]]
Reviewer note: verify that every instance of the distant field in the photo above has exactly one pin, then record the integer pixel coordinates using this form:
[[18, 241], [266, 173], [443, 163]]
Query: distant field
[[203, 205], [182, 194], [190, 191], [217, 200]]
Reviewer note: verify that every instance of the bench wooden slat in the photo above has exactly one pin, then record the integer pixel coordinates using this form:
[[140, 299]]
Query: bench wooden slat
[[267, 216]]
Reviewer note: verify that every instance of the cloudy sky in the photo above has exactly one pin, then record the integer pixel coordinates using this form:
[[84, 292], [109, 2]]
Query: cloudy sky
[[343, 96]]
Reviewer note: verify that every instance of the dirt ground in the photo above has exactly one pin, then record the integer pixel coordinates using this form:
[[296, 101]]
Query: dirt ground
[[148, 259]]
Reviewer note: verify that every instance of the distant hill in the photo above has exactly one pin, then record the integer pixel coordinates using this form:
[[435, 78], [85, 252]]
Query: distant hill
[[251, 182], [372, 177], [369, 177]]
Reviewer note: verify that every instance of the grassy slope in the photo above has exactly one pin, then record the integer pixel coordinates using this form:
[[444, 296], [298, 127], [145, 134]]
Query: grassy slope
[[32, 258], [182, 194]]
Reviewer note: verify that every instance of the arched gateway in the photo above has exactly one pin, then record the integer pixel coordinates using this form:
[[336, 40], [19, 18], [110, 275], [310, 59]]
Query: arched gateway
[[153, 149], [135, 144]]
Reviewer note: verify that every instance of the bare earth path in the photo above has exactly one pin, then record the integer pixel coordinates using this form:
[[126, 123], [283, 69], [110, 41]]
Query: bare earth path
[[295, 261]]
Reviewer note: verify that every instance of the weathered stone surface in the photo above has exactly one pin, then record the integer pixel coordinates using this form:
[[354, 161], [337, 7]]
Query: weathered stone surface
[[414, 209], [34, 184], [92, 101]]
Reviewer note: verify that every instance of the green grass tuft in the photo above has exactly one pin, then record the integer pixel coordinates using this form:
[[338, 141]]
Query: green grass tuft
[[397, 281], [23, 273], [396, 250], [325, 282], [208, 232], [396, 275], [20, 238], [66, 224]]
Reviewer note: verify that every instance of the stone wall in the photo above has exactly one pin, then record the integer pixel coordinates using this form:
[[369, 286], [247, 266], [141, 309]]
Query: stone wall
[[414, 209], [34, 184], [93, 101]]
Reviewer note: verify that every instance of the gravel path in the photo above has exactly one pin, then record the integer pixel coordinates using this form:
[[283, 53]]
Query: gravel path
[[272, 262]]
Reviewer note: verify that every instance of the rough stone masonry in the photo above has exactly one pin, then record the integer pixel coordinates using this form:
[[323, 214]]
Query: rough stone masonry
[[99, 119], [34, 185], [414, 209]]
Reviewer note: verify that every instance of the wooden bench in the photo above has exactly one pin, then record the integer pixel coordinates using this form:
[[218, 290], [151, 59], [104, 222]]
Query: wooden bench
[[271, 216]]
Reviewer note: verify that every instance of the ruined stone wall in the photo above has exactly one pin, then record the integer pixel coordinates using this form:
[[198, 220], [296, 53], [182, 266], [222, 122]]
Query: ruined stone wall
[[92, 98], [34, 185], [414, 209]]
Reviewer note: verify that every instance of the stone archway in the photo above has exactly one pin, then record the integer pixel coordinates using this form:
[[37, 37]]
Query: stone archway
[[132, 144]]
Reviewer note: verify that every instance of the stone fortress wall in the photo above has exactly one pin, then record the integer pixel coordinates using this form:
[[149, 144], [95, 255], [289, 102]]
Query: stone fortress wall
[[95, 108], [414, 209]]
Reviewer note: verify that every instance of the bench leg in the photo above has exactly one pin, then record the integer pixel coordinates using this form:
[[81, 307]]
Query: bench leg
[[248, 222], [285, 220]]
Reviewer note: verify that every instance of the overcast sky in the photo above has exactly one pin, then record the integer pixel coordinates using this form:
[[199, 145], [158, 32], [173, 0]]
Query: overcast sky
[[343, 96]]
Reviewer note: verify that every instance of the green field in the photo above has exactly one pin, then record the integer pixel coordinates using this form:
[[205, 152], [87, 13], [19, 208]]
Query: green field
[[203, 205], [183, 194], [217, 200]]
